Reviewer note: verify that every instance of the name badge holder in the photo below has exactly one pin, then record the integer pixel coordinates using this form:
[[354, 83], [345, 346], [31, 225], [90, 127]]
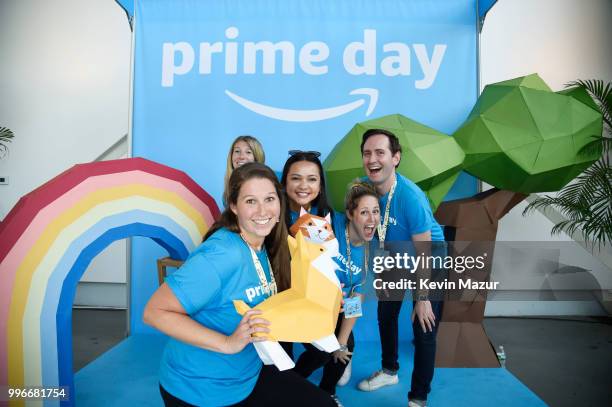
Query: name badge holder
[[352, 304], [352, 307]]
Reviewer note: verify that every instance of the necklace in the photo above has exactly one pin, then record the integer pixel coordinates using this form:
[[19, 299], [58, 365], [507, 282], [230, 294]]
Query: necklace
[[366, 251], [382, 228], [269, 288]]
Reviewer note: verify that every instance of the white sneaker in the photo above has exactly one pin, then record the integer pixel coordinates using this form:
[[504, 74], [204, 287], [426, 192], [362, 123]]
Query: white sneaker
[[337, 401], [346, 376], [377, 380], [417, 403]]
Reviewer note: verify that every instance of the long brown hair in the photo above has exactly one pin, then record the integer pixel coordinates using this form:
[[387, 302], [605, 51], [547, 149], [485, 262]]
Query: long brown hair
[[276, 241]]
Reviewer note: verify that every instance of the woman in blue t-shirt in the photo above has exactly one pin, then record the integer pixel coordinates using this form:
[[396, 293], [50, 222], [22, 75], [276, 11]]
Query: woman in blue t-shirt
[[209, 359], [304, 183], [362, 219]]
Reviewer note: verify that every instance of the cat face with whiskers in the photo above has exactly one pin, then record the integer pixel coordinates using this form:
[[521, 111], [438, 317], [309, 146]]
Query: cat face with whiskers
[[314, 228]]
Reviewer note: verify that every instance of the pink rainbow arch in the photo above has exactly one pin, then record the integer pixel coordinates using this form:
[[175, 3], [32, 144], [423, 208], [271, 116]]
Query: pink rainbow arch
[[52, 234]]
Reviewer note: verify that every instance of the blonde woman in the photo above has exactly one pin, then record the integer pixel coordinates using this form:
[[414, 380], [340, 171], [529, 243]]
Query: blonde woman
[[245, 149]]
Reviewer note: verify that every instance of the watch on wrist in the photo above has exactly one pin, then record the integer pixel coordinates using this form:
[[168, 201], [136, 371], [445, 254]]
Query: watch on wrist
[[343, 348], [422, 297]]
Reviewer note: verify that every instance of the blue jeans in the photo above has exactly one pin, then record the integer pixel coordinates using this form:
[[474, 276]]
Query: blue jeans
[[424, 342], [424, 346]]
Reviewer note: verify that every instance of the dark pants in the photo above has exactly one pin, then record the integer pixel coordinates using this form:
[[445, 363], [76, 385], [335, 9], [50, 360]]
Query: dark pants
[[273, 389], [288, 347], [313, 358], [424, 346]]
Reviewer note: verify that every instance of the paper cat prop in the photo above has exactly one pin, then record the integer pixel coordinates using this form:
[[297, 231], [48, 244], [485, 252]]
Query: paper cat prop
[[314, 228], [308, 311]]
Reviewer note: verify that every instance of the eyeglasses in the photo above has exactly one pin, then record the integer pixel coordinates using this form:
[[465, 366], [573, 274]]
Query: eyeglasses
[[316, 154]]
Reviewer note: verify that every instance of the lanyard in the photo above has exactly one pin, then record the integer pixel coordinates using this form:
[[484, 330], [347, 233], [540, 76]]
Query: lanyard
[[382, 228], [366, 251], [268, 288]]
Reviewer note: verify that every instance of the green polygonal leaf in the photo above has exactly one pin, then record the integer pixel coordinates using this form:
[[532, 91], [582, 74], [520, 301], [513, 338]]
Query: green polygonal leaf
[[532, 81], [440, 187], [580, 94], [470, 138], [430, 158], [528, 138], [495, 93]]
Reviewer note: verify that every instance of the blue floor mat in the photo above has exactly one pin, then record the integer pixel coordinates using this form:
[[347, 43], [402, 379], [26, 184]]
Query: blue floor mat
[[127, 375]]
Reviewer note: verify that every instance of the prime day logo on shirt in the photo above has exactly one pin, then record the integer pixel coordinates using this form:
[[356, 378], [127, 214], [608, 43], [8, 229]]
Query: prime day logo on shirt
[[358, 58]]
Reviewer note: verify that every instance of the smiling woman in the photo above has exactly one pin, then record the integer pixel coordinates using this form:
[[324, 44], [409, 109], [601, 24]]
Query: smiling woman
[[257, 210], [210, 359], [304, 183], [244, 149]]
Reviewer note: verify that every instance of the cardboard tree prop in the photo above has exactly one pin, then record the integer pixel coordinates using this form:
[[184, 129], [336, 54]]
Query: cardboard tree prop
[[523, 137], [306, 312], [430, 158], [472, 225], [52, 234], [520, 137]]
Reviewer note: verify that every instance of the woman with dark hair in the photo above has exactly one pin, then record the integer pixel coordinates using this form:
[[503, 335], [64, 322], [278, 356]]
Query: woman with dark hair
[[209, 359], [304, 183]]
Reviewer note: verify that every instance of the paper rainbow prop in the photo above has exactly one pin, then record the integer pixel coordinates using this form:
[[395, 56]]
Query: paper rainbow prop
[[52, 234]]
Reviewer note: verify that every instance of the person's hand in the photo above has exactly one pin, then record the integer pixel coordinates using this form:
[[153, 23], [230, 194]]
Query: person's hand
[[243, 335], [342, 355], [424, 313]]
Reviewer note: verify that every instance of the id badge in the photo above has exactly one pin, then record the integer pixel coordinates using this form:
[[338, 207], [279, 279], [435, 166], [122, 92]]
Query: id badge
[[352, 307]]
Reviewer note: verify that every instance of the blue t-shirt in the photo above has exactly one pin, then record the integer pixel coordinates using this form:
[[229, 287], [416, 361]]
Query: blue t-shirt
[[220, 270], [353, 274], [410, 213]]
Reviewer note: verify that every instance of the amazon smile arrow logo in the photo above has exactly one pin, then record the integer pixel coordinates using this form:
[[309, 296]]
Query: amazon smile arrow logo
[[292, 115]]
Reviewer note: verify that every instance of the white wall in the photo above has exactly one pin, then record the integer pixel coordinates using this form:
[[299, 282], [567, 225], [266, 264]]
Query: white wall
[[64, 86], [64, 81], [561, 40]]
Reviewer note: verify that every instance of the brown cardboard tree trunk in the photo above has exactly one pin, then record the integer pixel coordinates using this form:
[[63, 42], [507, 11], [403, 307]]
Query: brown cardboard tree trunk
[[471, 225]]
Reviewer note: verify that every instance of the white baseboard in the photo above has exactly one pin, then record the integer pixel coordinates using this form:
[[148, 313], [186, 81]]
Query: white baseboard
[[101, 295]]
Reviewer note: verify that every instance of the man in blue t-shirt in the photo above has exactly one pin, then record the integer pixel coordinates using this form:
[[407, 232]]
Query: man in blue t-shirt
[[405, 216]]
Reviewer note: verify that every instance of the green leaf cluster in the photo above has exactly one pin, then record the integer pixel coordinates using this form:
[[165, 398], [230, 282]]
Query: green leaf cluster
[[6, 136], [586, 203]]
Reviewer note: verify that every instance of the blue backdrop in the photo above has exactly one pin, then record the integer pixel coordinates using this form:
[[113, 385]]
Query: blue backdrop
[[296, 75]]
